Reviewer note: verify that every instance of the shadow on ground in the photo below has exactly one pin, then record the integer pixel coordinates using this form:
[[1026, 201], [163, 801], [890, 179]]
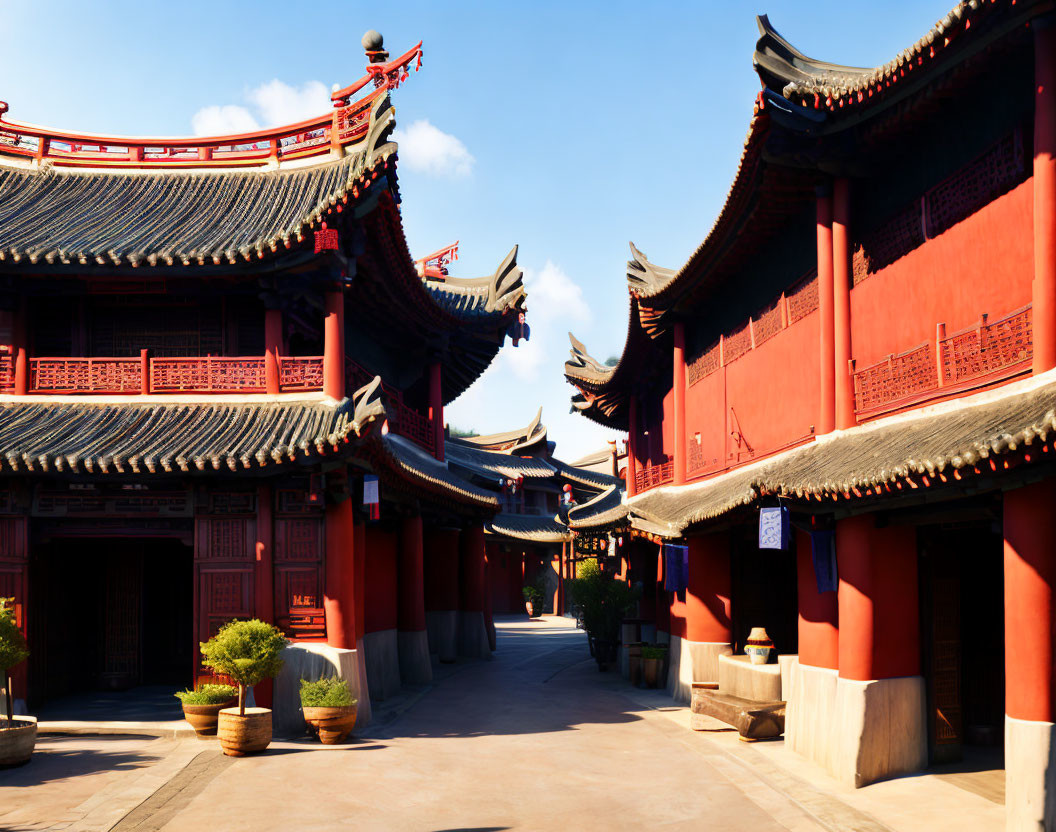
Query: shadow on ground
[[52, 763]]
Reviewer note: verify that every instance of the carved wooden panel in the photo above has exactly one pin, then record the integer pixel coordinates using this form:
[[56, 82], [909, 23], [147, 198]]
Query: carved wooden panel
[[225, 539], [232, 502], [223, 595], [298, 539]]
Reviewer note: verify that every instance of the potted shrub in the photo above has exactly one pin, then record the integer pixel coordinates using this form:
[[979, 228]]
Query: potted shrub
[[604, 602], [329, 709], [247, 652], [202, 706], [533, 600], [17, 736], [653, 658]]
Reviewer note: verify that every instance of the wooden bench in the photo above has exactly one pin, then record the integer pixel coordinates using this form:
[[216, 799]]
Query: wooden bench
[[754, 720]]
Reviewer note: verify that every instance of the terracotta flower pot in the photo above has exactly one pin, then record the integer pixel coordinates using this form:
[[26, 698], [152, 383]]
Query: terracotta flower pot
[[242, 735], [758, 646], [16, 744], [333, 724], [634, 664], [532, 609], [204, 718]]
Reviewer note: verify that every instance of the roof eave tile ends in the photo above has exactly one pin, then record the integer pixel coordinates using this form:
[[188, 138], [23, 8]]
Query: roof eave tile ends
[[948, 442]]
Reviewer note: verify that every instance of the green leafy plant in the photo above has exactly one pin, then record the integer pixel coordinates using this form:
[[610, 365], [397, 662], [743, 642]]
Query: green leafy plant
[[533, 594], [654, 652], [603, 600], [13, 650], [248, 652], [207, 695], [326, 693]]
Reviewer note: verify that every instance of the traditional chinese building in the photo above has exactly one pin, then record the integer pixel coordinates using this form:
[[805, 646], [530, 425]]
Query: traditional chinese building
[[529, 541], [866, 337], [222, 386]]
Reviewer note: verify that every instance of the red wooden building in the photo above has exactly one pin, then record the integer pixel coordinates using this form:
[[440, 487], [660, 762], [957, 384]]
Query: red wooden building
[[212, 351], [867, 337], [529, 541]]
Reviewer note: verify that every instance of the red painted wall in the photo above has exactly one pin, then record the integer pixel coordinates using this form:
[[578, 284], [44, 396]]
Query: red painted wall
[[441, 569], [774, 392], [380, 594], [708, 594], [819, 629], [505, 579], [982, 264]]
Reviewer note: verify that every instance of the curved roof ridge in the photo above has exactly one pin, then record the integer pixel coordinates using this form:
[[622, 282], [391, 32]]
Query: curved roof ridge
[[496, 293], [517, 439], [643, 275]]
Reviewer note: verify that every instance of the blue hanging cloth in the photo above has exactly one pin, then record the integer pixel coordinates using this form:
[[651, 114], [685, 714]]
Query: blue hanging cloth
[[823, 552], [676, 567]]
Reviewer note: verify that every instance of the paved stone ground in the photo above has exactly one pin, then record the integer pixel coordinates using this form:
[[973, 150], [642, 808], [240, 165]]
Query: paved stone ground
[[535, 738]]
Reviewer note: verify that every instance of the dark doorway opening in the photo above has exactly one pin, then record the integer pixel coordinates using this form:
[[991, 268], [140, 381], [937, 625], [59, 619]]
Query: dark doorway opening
[[963, 640], [110, 614], [764, 593]]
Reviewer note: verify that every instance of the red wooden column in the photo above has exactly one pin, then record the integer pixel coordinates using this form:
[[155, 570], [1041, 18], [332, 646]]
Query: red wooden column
[[272, 349], [878, 608], [20, 337], [334, 345], [412, 638], [339, 598], [264, 569], [436, 408], [679, 386], [1030, 671], [1030, 573], [358, 534], [632, 447], [707, 608], [472, 629], [819, 630], [826, 315], [442, 591], [841, 284], [1044, 288]]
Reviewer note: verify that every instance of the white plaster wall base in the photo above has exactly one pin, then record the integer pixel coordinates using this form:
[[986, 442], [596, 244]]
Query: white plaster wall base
[[383, 663], [880, 729], [696, 661], [649, 633], [416, 667], [442, 627], [1030, 775], [316, 661], [810, 729], [628, 633], [739, 677], [473, 635]]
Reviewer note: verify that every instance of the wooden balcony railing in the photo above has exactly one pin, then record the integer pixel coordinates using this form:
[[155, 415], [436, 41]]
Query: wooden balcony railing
[[653, 475], [984, 353], [403, 420], [348, 123]]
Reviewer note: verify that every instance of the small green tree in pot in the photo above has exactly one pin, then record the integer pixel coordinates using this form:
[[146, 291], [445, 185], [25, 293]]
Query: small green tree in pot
[[604, 602], [248, 652], [17, 737], [533, 599]]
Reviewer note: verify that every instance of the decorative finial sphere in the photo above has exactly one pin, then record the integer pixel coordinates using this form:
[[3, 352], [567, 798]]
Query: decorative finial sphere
[[373, 41]]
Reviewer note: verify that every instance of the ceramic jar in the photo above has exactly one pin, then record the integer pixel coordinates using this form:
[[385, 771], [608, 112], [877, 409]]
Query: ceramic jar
[[759, 646]]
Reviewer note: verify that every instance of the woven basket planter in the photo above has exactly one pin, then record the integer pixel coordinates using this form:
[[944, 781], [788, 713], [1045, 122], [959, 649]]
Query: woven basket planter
[[16, 744], [242, 735], [204, 718]]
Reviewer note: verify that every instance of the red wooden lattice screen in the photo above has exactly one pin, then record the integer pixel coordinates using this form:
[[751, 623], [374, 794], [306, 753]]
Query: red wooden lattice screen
[[977, 355], [986, 348], [209, 374], [83, 375], [803, 298], [299, 561], [654, 475], [301, 373]]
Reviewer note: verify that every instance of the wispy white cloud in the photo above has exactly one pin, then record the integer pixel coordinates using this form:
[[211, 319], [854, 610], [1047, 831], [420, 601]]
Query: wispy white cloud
[[424, 148], [269, 105], [555, 303]]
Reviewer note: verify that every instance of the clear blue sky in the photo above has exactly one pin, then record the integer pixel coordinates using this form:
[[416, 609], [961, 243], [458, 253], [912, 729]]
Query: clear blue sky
[[569, 128]]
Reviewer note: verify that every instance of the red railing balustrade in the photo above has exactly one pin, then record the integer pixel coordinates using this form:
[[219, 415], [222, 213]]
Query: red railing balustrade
[[651, 476]]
